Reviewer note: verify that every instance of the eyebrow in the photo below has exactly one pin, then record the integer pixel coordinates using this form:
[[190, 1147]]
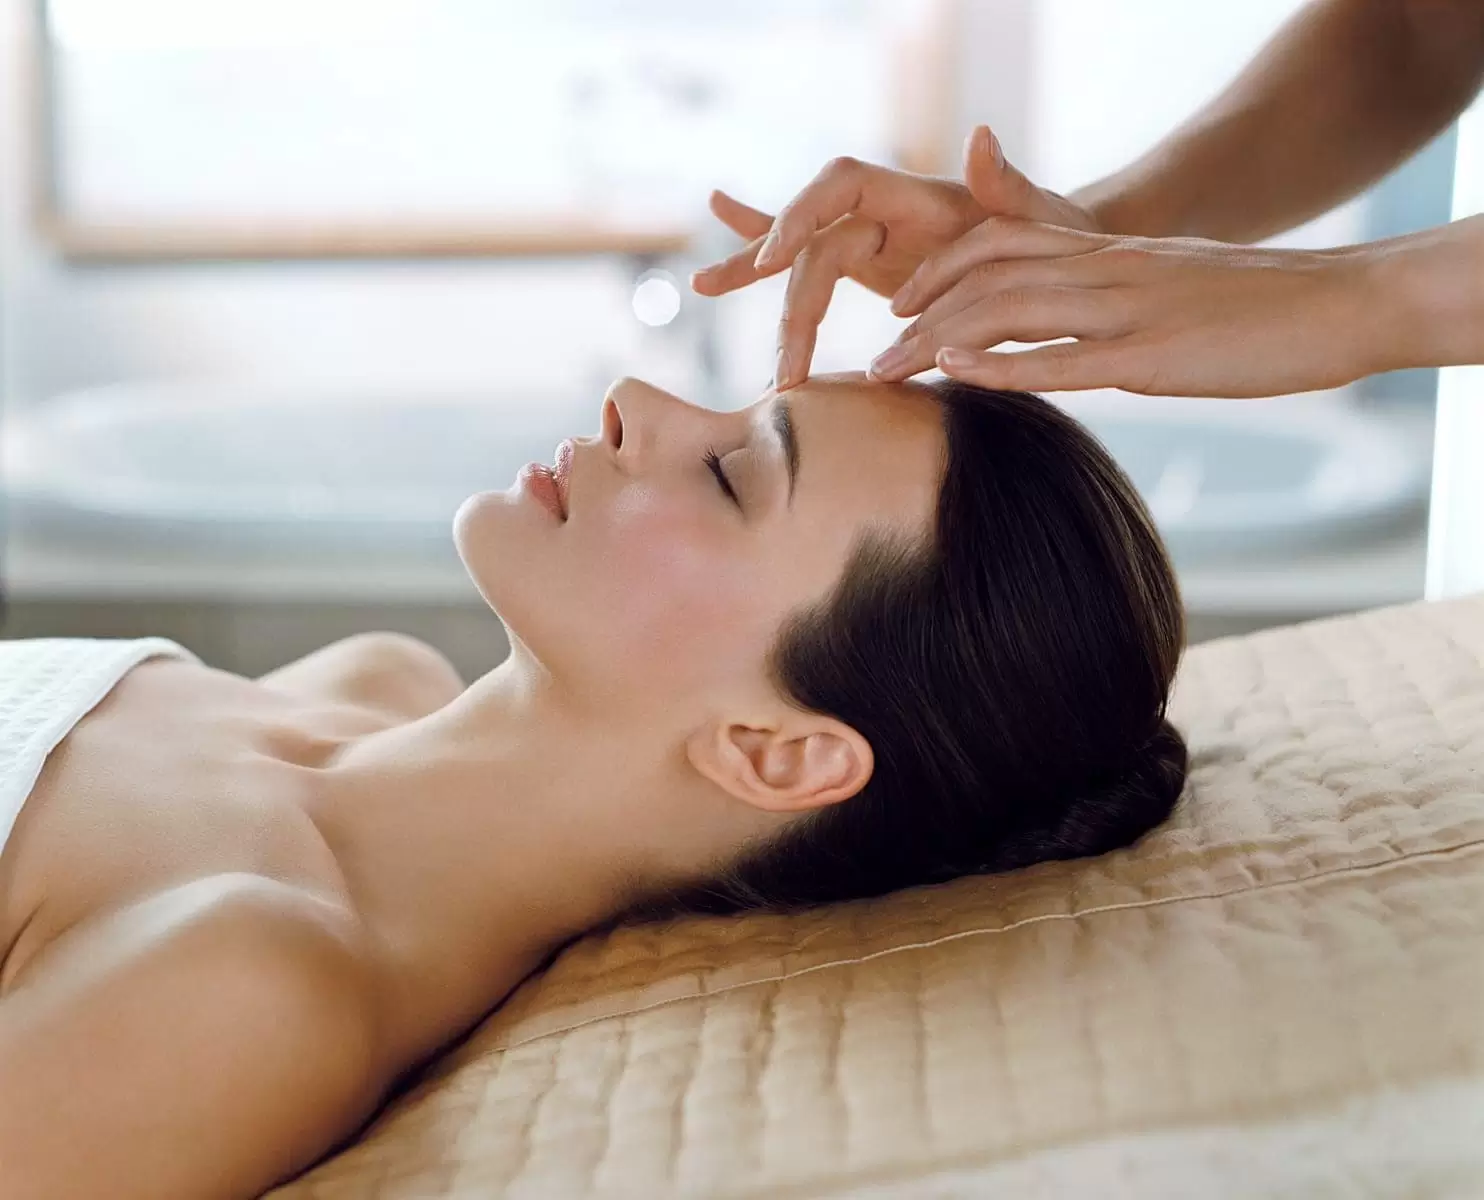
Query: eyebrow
[[783, 426]]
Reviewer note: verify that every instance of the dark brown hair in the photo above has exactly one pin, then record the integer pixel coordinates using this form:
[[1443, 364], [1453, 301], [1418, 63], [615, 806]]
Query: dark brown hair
[[1010, 673]]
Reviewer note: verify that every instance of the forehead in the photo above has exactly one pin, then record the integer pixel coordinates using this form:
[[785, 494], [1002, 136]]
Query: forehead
[[868, 451]]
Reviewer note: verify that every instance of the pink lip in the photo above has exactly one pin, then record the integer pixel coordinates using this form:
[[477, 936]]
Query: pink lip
[[548, 486], [539, 482], [562, 474]]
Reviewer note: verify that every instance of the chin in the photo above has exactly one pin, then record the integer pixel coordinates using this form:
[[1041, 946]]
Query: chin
[[486, 536], [504, 543]]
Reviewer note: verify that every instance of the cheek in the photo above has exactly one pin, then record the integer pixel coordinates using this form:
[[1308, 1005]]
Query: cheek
[[685, 592]]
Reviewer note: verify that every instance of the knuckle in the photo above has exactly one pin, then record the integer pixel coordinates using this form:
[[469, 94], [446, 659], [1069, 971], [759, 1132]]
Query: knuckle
[[1120, 308], [1015, 300], [855, 235], [803, 307], [982, 276], [842, 164], [1061, 354], [994, 226], [805, 260], [927, 341], [803, 285], [1143, 376], [795, 300], [824, 249], [796, 316], [925, 280], [1122, 257], [1006, 303], [1045, 367]]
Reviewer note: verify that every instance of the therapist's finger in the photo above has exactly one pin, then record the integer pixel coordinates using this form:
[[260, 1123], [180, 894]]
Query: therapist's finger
[[822, 263], [1016, 315], [741, 219], [846, 186], [736, 270], [1027, 276], [733, 272], [1063, 367], [995, 239]]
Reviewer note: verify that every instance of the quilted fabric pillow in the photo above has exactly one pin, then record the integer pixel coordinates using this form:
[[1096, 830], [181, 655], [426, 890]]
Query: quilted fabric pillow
[[1281, 991]]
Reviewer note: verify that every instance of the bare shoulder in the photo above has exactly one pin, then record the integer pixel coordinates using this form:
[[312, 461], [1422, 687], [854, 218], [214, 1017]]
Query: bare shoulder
[[390, 672], [207, 1041]]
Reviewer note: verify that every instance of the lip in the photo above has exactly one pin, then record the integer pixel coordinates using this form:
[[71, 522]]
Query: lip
[[561, 474], [538, 482], [549, 486]]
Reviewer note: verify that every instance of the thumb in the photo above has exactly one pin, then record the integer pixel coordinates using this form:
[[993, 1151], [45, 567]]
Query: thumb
[[996, 186]]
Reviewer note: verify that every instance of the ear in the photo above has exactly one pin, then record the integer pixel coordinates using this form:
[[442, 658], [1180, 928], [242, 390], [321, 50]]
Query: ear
[[791, 766]]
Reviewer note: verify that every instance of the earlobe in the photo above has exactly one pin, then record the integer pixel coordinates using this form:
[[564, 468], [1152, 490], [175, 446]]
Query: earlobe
[[783, 769]]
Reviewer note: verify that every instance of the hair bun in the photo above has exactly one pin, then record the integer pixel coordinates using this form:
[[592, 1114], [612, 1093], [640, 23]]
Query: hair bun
[[1113, 812]]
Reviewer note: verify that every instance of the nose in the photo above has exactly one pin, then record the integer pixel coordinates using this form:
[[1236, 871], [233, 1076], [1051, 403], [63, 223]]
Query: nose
[[612, 422], [633, 411]]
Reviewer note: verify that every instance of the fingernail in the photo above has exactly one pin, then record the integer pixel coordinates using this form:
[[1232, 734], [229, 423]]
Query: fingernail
[[899, 301], [769, 249], [780, 371], [951, 357], [994, 148], [889, 360]]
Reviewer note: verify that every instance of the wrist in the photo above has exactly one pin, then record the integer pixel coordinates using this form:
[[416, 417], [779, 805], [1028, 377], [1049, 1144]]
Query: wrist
[[1112, 208], [1427, 289], [1127, 203]]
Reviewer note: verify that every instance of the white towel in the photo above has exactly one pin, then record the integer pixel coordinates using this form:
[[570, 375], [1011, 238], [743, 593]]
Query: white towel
[[47, 685]]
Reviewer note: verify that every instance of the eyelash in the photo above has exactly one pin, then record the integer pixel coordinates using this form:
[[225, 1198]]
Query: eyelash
[[713, 461]]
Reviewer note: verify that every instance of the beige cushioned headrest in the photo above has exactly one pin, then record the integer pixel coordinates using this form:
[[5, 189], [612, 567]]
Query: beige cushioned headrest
[[1303, 942]]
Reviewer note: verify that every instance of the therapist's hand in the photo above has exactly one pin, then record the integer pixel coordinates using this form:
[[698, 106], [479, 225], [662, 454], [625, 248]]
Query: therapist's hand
[[1162, 316], [871, 224]]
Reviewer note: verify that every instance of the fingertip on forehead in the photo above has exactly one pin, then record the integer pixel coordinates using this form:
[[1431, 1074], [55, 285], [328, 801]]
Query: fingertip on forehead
[[902, 421], [906, 404], [856, 384]]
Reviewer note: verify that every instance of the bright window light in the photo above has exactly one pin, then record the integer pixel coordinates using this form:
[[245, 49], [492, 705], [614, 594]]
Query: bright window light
[[188, 24]]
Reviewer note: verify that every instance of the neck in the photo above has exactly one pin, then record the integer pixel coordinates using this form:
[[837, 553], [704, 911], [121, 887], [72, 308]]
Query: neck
[[477, 840]]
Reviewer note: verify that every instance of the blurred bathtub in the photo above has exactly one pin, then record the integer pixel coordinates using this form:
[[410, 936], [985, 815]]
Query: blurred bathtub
[[242, 490], [207, 467], [213, 468]]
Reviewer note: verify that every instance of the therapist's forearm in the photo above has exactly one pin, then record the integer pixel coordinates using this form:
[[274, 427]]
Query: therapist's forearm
[[1342, 94]]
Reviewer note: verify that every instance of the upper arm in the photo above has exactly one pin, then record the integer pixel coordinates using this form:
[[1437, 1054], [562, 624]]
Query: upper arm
[[219, 1040], [1446, 43], [391, 672]]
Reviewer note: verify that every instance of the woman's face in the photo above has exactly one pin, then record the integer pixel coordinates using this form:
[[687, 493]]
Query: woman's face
[[656, 589]]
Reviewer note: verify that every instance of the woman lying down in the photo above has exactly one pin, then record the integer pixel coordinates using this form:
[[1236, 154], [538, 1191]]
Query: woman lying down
[[854, 638]]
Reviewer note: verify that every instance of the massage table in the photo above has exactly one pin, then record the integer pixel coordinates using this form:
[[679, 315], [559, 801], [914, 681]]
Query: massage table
[[1279, 992]]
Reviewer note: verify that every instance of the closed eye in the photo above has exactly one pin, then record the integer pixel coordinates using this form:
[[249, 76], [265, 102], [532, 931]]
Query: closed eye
[[713, 461]]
